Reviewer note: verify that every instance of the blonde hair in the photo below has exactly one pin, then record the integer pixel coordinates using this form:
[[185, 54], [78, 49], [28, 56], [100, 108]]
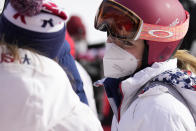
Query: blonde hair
[[186, 61], [10, 48], [13, 49]]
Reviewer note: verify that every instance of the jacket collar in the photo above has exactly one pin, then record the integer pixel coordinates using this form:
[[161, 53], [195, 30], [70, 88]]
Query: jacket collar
[[131, 85]]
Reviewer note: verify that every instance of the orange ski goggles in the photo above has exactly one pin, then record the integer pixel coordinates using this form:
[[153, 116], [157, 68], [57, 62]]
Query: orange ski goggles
[[122, 23]]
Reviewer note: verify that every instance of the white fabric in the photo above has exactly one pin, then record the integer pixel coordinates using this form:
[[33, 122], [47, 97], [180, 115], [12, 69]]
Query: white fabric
[[81, 46], [36, 95], [1, 5], [88, 87], [117, 62], [156, 109]]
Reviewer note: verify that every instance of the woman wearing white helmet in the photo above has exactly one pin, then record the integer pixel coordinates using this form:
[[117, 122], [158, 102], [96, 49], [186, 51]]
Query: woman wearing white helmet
[[146, 90]]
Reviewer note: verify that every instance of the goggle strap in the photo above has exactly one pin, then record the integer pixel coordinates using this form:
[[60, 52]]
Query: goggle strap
[[164, 33]]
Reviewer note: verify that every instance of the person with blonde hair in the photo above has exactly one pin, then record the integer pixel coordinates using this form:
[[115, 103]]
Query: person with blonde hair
[[36, 93], [186, 61], [145, 88]]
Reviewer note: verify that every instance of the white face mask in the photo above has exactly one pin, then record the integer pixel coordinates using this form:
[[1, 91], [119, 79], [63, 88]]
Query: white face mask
[[118, 62], [81, 47]]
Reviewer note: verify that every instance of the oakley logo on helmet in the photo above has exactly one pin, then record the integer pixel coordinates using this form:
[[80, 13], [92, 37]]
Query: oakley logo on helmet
[[160, 33]]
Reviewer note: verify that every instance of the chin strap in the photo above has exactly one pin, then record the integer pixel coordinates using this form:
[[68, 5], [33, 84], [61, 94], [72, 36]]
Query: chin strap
[[145, 56]]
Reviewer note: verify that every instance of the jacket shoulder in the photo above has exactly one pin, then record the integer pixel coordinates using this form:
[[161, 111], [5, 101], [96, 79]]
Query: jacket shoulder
[[157, 111]]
